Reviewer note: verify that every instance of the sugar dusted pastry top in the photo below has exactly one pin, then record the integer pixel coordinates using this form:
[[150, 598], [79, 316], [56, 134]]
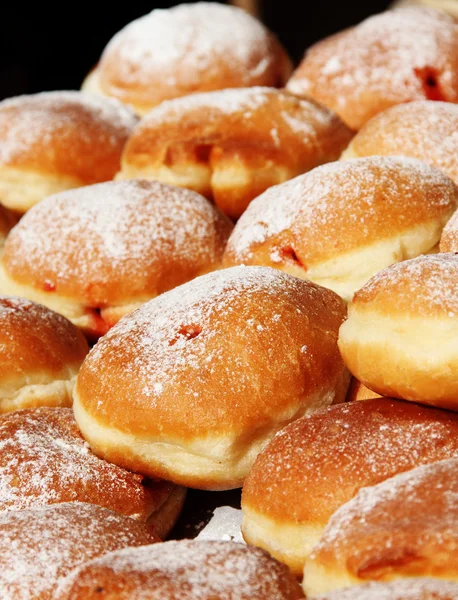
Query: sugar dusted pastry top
[[397, 56], [189, 48], [45, 460], [64, 133], [114, 242], [188, 570]]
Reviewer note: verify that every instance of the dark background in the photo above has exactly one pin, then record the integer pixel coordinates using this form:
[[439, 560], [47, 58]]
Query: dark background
[[46, 48]]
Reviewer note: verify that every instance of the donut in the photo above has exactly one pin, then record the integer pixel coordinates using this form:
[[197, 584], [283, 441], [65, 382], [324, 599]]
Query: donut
[[186, 569], [40, 546], [424, 130], [96, 253], [395, 57], [343, 222], [399, 339], [403, 527], [55, 141], [195, 47], [319, 462], [413, 588], [7, 221], [40, 355], [45, 460], [232, 145], [193, 384]]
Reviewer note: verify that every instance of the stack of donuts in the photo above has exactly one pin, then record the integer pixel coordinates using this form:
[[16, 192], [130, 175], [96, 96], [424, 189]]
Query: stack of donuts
[[219, 273]]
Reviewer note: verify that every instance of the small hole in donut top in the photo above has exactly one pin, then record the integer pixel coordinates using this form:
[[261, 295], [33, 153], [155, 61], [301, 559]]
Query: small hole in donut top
[[430, 82], [288, 254], [186, 331], [99, 590]]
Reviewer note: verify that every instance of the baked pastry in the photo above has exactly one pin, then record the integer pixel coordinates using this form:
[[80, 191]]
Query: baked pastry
[[394, 57], [7, 221], [192, 385], [232, 145], [40, 355], [319, 462], [186, 570], [413, 588], [45, 460], [402, 527], [399, 339], [358, 391], [96, 253], [40, 546], [195, 47], [54, 141], [343, 222], [423, 130]]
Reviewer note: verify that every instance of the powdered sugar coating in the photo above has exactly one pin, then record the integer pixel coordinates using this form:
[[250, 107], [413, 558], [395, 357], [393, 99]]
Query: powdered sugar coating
[[190, 570], [423, 286], [45, 460], [390, 528], [398, 56], [424, 130], [65, 133], [113, 242], [39, 547], [375, 197], [403, 589], [190, 47], [177, 353], [294, 480]]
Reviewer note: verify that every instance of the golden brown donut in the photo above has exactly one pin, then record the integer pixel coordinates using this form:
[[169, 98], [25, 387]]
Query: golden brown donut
[[343, 222], [358, 391], [399, 339], [413, 588], [186, 570], [192, 385], [232, 145], [196, 47], [54, 141], [394, 57], [319, 462], [45, 460], [40, 546], [424, 130], [40, 355], [7, 221], [96, 253], [402, 527]]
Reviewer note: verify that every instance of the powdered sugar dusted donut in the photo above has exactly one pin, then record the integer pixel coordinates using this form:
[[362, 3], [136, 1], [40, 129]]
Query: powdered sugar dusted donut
[[38, 547], [232, 145], [54, 141], [398, 56], [412, 588], [185, 49], [185, 570], [424, 130], [319, 462], [343, 222], [191, 386], [399, 339], [45, 460], [96, 253], [40, 355], [402, 527]]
